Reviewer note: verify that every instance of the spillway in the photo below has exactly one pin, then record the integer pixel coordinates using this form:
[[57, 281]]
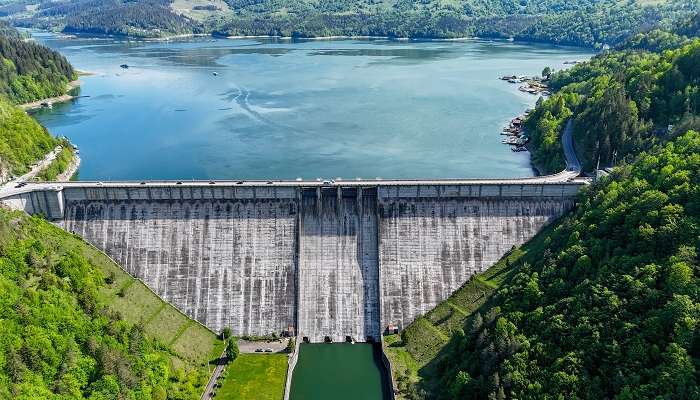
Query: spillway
[[338, 266]]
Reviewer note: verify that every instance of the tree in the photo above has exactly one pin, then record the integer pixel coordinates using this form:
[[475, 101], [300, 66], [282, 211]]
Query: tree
[[232, 350], [291, 344], [546, 72], [226, 333]]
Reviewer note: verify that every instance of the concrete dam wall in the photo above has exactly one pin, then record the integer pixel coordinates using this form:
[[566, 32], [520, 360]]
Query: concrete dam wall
[[326, 263]]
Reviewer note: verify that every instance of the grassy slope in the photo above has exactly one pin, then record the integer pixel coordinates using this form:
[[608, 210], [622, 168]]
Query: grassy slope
[[428, 335], [192, 343], [255, 376]]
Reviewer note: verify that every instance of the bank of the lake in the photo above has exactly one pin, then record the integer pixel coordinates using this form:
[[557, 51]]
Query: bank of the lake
[[71, 88], [339, 371]]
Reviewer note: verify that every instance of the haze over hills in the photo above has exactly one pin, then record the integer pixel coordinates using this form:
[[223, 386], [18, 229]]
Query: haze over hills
[[578, 22]]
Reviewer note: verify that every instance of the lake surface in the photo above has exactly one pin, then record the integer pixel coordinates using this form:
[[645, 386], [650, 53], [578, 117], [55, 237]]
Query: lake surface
[[339, 371], [262, 108]]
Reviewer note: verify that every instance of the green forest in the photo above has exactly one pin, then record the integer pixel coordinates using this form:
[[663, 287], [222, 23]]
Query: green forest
[[22, 140], [29, 71], [609, 309], [65, 332], [621, 102], [571, 22]]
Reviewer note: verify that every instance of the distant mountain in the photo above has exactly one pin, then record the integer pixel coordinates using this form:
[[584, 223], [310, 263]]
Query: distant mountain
[[144, 18], [593, 23]]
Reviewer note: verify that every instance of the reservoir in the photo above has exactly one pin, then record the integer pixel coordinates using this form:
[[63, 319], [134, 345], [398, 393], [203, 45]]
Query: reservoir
[[205, 108], [339, 371]]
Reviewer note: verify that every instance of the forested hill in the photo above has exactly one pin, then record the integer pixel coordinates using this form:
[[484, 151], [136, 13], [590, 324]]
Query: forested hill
[[609, 308], [571, 22], [29, 71], [621, 102], [140, 18], [22, 141]]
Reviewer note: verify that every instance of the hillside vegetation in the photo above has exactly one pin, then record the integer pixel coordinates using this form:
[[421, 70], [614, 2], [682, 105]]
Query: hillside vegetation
[[74, 325], [22, 140], [572, 22], [29, 71], [621, 102], [142, 18]]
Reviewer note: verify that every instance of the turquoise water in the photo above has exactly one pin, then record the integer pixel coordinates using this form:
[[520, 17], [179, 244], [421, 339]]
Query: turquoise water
[[339, 371], [288, 109]]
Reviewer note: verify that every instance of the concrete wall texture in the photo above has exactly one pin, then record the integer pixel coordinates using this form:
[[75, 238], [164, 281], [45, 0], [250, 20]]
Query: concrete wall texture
[[331, 262]]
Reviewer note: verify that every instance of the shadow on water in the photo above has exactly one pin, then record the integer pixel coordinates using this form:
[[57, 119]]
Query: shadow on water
[[340, 371]]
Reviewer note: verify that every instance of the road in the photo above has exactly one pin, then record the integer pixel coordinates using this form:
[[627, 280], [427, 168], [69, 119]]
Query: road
[[573, 165], [208, 391], [569, 175], [45, 162]]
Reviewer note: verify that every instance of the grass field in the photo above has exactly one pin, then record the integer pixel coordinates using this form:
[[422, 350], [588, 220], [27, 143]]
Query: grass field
[[255, 377], [429, 334]]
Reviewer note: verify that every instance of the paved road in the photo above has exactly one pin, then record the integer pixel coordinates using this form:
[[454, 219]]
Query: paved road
[[573, 166], [208, 391], [45, 162]]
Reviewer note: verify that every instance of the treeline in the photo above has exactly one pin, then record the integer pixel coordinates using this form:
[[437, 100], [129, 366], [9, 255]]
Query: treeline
[[579, 23], [609, 308], [147, 18], [57, 338], [29, 71], [571, 22], [621, 103], [60, 164], [391, 24]]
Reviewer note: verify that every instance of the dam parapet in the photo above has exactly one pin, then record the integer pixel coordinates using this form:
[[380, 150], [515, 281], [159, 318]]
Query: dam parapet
[[324, 262]]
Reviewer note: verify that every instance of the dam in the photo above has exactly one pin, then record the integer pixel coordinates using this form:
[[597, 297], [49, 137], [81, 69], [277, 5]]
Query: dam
[[325, 261]]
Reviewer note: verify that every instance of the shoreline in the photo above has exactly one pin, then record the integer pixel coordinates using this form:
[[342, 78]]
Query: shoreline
[[355, 37], [32, 105], [320, 38], [72, 168]]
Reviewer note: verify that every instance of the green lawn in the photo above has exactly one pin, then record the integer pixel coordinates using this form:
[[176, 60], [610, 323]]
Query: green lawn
[[255, 377]]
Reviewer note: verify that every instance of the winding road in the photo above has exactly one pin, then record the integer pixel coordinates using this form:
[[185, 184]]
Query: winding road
[[38, 167]]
